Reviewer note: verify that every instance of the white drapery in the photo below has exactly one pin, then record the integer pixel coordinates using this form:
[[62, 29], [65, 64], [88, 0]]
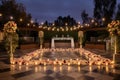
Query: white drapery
[[62, 38]]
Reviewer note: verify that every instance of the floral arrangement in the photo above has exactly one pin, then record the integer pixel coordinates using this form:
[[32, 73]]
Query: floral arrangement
[[10, 27], [114, 28]]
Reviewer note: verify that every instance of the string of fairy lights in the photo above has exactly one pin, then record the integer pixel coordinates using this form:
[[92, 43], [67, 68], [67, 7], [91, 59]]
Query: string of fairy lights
[[66, 28]]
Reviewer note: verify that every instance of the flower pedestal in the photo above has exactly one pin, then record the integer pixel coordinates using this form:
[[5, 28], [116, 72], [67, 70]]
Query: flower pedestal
[[10, 39], [114, 30]]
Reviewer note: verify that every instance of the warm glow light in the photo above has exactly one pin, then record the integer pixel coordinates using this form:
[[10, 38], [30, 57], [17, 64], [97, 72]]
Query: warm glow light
[[107, 69], [32, 21], [79, 23], [68, 63], [69, 68], [11, 17], [36, 63], [36, 69], [42, 23], [92, 20], [44, 68], [103, 19], [28, 24], [0, 14], [54, 69], [45, 64], [20, 63], [78, 68], [90, 68], [61, 69], [27, 68], [21, 19]]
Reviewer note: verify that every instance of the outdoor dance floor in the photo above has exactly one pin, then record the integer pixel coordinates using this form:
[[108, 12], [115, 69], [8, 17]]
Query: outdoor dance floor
[[52, 71]]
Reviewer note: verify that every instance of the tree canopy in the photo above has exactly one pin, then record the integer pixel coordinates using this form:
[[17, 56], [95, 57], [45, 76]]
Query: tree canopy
[[104, 9], [11, 10]]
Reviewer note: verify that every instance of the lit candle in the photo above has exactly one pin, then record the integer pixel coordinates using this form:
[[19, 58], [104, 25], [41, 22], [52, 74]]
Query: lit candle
[[99, 63], [54, 62], [54, 68], [98, 67], [36, 62], [60, 68], [20, 63], [12, 67], [90, 63], [48, 60], [68, 63], [13, 62], [79, 69], [27, 63], [90, 68], [78, 63], [60, 63], [106, 63], [69, 68], [44, 68], [19, 67], [36, 69], [45, 64], [27, 68], [107, 69]]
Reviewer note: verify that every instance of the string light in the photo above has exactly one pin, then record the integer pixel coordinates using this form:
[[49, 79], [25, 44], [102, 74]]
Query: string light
[[51, 28]]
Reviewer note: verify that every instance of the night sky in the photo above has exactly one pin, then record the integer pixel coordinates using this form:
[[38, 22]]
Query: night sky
[[50, 9]]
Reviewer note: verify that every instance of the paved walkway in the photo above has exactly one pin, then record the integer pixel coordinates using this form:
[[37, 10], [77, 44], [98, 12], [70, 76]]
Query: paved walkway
[[16, 72]]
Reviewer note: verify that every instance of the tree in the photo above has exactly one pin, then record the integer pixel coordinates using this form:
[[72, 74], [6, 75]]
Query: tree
[[10, 8], [63, 21], [84, 17], [104, 9], [117, 17]]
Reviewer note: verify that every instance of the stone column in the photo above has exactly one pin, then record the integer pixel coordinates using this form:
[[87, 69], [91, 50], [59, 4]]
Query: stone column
[[80, 38], [52, 43], [41, 36], [72, 43]]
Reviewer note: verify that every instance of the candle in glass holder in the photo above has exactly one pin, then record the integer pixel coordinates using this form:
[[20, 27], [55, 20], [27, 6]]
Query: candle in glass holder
[[45, 64], [98, 67], [20, 63], [44, 68], [90, 68], [68, 63], [69, 68], [48, 60], [12, 67], [78, 63], [27, 68], [107, 69], [36, 69], [99, 63], [54, 62], [36, 62], [60, 63], [90, 63], [54, 68], [13, 62], [106, 63], [79, 69], [19, 67], [27, 63], [60, 68]]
